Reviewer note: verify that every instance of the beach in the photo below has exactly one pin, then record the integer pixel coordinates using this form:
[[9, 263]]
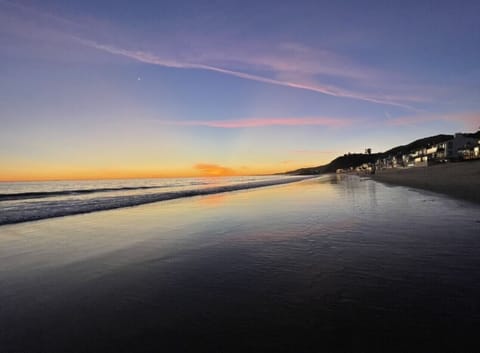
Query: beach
[[336, 263], [459, 180]]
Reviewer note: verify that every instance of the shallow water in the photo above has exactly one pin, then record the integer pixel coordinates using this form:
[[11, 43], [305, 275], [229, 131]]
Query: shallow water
[[29, 201], [336, 263]]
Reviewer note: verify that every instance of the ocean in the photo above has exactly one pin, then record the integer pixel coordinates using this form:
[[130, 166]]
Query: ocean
[[28, 201], [336, 263]]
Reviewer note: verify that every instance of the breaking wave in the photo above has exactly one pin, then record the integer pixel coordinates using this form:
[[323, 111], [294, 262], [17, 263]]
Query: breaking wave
[[30, 206]]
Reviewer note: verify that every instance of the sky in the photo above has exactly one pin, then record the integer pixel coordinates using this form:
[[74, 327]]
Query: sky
[[122, 89]]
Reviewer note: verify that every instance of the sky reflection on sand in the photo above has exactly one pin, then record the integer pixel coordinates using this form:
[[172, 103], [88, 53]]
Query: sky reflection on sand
[[331, 262]]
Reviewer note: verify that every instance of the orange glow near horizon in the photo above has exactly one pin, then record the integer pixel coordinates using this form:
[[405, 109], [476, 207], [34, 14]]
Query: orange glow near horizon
[[112, 167], [91, 94], [200, 170]]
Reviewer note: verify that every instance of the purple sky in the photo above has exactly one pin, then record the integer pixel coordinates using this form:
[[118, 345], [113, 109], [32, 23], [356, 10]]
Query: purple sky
[[163, 88]]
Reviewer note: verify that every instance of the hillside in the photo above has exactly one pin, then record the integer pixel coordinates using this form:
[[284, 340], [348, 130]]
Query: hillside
[[343, 162], [357, 159], [417, 144]]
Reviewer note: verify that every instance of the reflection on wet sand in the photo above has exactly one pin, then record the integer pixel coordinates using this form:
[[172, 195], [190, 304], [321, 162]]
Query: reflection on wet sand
[[212, 200], [331, 264]]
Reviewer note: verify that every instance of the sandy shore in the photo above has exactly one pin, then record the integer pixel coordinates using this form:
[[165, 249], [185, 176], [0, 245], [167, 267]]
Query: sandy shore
[[459, 180], [332, 264]]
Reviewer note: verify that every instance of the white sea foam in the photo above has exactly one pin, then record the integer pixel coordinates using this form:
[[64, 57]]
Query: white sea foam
[[27, 202]]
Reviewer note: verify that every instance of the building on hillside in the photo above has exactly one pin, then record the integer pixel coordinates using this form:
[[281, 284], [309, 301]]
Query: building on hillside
[[421, 161], [461, 146], [422, 156], [469, 151], [460, 142]]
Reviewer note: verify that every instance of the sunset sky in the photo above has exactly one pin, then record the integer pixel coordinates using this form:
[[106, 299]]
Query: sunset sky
[[100, 89]]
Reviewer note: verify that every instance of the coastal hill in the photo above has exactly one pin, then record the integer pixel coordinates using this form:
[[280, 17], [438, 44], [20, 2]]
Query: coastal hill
[[417, 144], [356, 159], [343, 162]]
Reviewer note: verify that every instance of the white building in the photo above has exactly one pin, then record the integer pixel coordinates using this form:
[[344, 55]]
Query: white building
[[460, 141]]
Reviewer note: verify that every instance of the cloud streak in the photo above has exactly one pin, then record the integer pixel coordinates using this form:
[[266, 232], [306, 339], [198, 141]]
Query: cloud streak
[[265, 122], [285, 58], [152, 59], [289, 65]]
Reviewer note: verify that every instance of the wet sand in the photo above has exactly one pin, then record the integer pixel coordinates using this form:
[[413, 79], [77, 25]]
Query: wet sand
[[335, 264], [459, 180]]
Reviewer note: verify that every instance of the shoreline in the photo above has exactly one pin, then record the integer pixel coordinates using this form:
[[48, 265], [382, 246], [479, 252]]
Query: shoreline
[[55, 208], [458, 180], [333, 265]]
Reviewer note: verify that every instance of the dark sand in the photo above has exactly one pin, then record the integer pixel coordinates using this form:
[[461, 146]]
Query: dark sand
[[334, 264], [459, 180]]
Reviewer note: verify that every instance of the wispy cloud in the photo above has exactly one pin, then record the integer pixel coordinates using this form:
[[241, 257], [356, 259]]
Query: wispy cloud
[[290, 65], [265, 122], [284, 58], [469, 120], [153, 59], [210, 169]]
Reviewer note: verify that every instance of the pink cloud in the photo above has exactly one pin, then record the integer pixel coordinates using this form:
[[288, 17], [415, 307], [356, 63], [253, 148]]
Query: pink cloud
[[263, 122], [150, 58], [287, 57], [213, 169], [290, 65]]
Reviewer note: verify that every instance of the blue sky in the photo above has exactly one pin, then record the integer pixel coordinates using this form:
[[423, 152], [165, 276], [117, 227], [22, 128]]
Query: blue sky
[[164, 88]]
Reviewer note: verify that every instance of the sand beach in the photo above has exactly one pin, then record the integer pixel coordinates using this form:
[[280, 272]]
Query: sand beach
[[459, 180], [333, 264]]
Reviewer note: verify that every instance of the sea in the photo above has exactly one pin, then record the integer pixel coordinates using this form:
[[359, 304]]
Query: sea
[[28, 201]]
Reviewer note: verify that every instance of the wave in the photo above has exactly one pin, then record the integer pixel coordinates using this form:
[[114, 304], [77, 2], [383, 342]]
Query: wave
[[37, 210], [43, 194]]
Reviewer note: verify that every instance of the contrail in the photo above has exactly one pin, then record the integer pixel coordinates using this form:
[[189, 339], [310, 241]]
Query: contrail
[[155, 60], [148, 58]]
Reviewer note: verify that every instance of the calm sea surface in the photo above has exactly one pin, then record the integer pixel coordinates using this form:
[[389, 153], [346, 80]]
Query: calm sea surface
[[28, 201], [332, 264]]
